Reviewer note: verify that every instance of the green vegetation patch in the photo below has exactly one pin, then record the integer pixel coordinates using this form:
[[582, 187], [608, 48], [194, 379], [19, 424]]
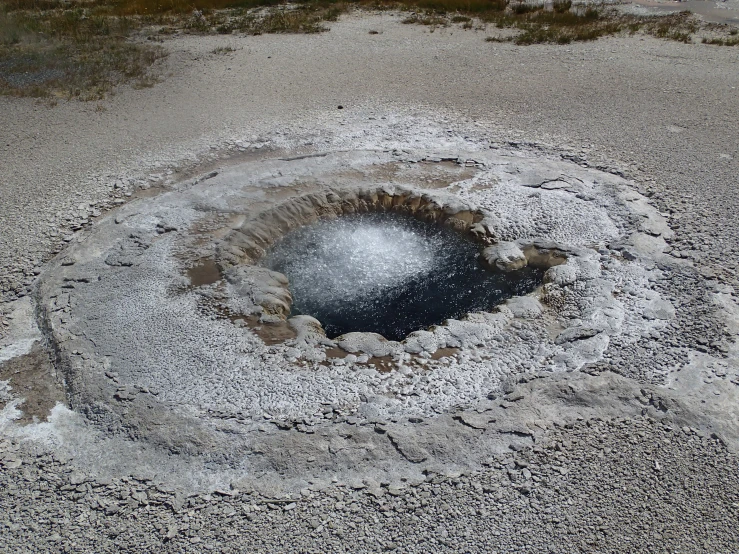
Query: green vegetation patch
[[68, 53]]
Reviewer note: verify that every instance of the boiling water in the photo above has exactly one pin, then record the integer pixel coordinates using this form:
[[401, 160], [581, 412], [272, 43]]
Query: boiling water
[[388, 274]]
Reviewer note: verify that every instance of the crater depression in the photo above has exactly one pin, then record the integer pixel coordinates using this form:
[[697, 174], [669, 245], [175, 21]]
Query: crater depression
[[389, 274]]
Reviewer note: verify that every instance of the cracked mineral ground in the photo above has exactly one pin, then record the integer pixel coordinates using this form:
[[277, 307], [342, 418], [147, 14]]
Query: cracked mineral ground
[[166, 386]]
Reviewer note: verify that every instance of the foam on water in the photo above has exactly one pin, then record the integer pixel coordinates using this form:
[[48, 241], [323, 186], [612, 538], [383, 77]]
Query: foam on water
[[352, 258], [388, 273]]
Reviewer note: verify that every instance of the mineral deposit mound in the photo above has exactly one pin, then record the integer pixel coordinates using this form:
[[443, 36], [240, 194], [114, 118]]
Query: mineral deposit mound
[[363, 311]]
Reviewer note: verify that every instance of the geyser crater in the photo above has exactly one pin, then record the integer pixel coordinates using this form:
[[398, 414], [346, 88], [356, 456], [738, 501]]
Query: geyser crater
[[385, 268], [389, 273], [151, 317]]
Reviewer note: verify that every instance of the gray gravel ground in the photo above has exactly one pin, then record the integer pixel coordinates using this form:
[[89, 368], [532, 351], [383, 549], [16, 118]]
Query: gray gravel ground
[[626, 485], [666, 111]]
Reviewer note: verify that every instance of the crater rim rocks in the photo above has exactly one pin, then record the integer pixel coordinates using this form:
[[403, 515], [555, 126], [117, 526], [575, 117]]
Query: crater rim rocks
[[241, 253]]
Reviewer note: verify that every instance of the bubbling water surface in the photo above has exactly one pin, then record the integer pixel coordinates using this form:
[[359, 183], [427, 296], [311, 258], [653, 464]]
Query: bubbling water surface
[[389, 274]]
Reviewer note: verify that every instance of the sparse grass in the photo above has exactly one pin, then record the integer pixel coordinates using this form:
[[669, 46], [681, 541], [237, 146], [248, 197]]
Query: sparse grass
[[559, 22], [521, 8], [270, 23], [431, 20], [722, 41], [85, 48], [563, 24], [69, 54], [562, 6]]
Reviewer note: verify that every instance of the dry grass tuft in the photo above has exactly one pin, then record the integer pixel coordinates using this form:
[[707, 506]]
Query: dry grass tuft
[[733, 41], [557, 22], [423, 19], [563, 24], [86, 48], [69, 54]]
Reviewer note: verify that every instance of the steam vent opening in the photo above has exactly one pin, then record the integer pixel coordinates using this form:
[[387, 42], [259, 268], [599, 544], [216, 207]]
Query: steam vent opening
[[389, 273]]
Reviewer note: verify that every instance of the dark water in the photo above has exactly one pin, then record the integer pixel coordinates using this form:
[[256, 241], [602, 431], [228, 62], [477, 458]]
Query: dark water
[[389, 274]]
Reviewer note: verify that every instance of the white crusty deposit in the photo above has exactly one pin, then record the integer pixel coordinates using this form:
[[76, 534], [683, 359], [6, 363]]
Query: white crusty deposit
[[127, 284]]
